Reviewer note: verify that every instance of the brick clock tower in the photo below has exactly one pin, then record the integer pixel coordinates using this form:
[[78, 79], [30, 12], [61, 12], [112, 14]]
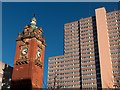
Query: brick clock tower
[[29, 59]]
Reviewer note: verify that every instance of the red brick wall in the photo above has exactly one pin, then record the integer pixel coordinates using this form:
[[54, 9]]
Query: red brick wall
[[30, 70]]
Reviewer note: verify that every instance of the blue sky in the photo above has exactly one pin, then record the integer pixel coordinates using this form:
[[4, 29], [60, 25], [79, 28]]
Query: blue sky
[[50, 16]]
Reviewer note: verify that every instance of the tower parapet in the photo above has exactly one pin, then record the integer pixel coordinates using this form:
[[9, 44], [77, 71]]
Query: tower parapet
[[32, 31]]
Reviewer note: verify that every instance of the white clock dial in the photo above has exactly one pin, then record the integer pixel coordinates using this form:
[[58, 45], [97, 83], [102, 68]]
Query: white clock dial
[[38, 54], [24, 51]]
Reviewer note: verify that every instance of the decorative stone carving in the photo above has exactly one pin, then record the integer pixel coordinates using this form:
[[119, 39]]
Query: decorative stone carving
[[32, 32]]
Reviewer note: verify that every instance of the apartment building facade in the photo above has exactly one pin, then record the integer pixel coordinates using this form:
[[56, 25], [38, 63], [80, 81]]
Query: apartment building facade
[[5, 76], [113, 24], [91, 53]]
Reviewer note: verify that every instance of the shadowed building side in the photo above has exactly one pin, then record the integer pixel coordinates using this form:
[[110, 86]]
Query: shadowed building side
[[5, 76]]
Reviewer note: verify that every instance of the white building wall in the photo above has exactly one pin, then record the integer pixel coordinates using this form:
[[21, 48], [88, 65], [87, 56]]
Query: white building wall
[[2, 65]]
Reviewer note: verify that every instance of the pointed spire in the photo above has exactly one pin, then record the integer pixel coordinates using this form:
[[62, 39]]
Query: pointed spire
[[33, 22], [34, 15]]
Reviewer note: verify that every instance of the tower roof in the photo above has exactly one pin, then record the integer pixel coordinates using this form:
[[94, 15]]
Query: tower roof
[[34, 19], [33, 23]]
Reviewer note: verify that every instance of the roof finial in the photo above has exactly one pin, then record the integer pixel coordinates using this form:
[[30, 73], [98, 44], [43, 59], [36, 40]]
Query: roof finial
[[34, 15], [33, 22]]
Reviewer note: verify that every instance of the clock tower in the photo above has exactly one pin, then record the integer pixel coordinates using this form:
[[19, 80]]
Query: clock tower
[[29, 58]]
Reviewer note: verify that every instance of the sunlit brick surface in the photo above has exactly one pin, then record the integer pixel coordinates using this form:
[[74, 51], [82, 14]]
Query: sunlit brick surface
[[91, 53]]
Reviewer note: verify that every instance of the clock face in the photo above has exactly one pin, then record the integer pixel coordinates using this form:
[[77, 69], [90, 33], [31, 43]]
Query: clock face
[[24, 51], [38, 53]]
